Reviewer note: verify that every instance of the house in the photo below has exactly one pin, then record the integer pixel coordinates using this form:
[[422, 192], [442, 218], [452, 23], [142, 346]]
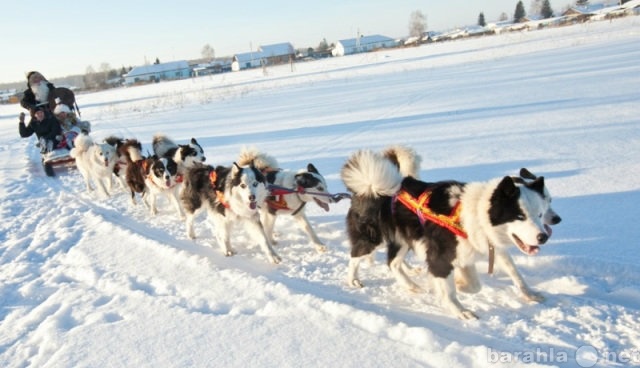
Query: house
[[279, 53], [213, 67], [246, 60], [362, 44], [265, 55], [589, 12], [157, 72]]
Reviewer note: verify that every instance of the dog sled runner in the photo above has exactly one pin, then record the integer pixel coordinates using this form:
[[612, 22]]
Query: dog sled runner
[[59, 157]]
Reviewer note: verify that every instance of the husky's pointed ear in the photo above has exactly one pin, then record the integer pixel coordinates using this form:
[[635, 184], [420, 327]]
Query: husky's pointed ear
[[235, 167], [508, 187], [311, 168], [538, 185], [526, 174]]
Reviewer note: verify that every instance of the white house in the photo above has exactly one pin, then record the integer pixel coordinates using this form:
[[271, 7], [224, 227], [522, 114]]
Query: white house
[[246, 60], [362, 44], [158, 72], [265, 55], [278, 53]]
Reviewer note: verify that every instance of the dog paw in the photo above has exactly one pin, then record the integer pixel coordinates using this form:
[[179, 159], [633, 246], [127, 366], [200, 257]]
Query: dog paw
[[415, 289], [533, 296], [356, 283], [275, 259], [229, 253], [466, 314], [321, 248]]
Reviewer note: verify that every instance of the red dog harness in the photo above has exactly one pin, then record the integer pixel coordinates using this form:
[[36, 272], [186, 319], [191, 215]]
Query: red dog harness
[[420, 206]]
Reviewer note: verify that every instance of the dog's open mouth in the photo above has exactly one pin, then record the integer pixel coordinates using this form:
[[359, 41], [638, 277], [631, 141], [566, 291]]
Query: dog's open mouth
[[167, 183], [322, 204], [253, 205], [530, 250]]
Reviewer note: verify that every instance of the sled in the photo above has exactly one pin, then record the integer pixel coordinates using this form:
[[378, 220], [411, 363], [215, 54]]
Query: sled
[[56, 158]]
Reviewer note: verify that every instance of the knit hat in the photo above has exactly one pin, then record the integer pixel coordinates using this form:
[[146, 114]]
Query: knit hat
[[61, 108]]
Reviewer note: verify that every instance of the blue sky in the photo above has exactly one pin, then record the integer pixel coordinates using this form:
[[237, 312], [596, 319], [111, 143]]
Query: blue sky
[[66, 37]]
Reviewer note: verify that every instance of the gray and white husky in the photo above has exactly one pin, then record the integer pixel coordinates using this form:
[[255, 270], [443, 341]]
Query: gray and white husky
[[289, 193], [230, 195]]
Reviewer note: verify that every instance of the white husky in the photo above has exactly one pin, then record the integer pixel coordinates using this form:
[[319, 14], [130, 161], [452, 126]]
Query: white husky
[[95, 161]]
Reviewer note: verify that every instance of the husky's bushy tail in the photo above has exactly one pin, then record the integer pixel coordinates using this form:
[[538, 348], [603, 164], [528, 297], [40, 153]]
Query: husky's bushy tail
[[369, 174], [162, 144], [82, 143], [260, 160], [406, 159]]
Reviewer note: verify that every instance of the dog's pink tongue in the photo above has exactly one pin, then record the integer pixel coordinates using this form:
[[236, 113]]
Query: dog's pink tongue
[[106, 163], [168, 183], [253, 205]]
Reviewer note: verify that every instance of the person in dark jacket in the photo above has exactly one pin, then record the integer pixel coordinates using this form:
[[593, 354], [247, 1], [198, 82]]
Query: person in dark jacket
[[37, 92], [45, 126]]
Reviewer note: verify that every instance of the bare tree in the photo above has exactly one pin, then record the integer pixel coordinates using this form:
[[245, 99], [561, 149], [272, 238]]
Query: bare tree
[[503, 17], [417, 24], [208, 52]]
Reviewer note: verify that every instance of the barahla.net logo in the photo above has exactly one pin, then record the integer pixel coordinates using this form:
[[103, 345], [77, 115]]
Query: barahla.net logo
[[585, 356]]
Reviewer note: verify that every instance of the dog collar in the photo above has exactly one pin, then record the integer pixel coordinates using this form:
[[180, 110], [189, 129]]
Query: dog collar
[[420, 206]]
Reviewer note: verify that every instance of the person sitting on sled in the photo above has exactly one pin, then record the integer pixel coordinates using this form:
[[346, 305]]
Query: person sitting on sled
[[70, 124], [46, 128], [37, 92], [68, 119]]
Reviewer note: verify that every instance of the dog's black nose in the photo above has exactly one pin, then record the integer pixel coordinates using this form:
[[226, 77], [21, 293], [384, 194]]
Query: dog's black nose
[[542, 238], [252, 198], [555, 220]]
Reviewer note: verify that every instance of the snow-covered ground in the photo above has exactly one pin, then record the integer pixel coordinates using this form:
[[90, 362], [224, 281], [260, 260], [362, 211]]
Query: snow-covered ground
[[88, 281]]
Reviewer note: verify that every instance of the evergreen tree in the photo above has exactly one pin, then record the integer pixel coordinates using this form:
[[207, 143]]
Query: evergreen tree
[[481, 21], [546, 11], [519, 13]]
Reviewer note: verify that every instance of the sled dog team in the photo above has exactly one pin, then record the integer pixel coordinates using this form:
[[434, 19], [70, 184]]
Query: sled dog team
[[449, 225]]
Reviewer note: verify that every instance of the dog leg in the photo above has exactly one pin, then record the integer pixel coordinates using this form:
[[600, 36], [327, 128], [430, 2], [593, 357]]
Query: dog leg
[[254, 227], [304, 224], [396, 264], [352, 274], [445, 286], [505, 261], [176, 202], [100, 184], [153, 198], [222, 230], [189, 225], [466, 279], [268, 223]]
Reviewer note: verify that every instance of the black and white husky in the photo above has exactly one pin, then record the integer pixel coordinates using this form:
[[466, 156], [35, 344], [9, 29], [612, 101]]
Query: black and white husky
[[289, 192], [449, 224], [230, 195], [185, 155], [161, 178]]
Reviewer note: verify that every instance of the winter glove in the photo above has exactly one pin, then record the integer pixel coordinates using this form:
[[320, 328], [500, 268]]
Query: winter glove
[[21, 117]]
